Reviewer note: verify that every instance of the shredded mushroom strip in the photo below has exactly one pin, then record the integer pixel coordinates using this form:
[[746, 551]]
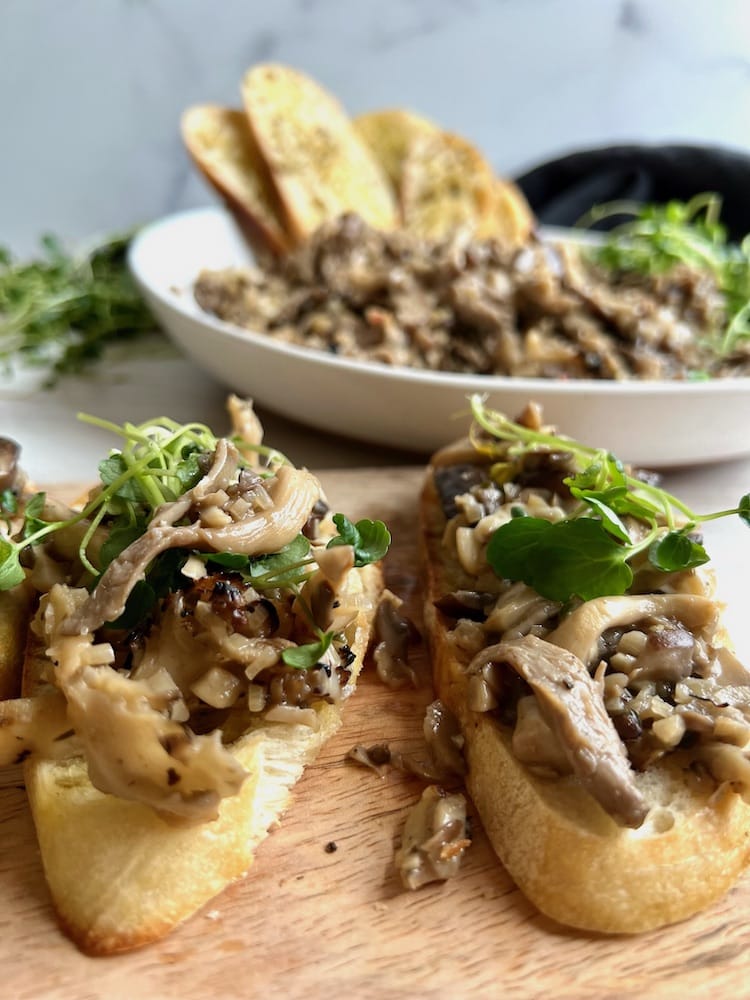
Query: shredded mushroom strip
[[292, 494]]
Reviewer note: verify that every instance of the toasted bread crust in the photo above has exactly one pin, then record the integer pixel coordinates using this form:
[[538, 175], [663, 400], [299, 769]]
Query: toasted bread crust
[[320, 166], [390, 133], [119, 875], [513, 220], [221, 145], [564, 852], [447, 186]]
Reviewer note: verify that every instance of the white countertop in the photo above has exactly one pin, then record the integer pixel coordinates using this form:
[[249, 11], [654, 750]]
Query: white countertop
[[57, 448]]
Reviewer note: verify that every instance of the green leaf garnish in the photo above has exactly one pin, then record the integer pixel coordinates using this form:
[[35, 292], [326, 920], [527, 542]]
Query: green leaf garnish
[[308, 654], [744, 509], [369, 539], [11, 571], [288, 567], [659, 237], [59, 311], [676, 551], [117, 540], [562, 559], [8, 502], [587, 554]]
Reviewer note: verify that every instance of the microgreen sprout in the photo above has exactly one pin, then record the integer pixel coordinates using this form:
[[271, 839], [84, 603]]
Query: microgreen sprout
[[158, 462], [61, 309], [658, 237], [589, 553]]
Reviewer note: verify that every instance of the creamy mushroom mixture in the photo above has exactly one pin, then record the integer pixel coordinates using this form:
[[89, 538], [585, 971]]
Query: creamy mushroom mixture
[[600, 688], [214, 655], [480, 307]]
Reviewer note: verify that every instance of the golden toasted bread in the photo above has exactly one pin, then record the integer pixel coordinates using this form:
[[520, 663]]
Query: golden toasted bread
[[558, 830], [389, 133], [447, 186], [120, 875], [221, 144], [320, 165], [513, 220]]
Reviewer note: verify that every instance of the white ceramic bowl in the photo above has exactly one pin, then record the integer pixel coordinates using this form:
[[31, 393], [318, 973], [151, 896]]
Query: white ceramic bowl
[[655, 424]]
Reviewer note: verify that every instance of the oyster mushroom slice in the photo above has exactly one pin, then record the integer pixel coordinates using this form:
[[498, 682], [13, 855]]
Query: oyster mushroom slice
[[581, 630], [570, 702], [133, 749], [292, 493]]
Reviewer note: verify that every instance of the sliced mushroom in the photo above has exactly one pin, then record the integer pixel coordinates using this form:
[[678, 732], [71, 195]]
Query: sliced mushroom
[[434, 840], [581, 630], [393, 636], [571, 703], [292, 493]]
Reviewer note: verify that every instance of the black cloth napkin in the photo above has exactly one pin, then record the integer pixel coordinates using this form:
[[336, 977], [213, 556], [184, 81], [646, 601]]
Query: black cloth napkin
[[564, 189]]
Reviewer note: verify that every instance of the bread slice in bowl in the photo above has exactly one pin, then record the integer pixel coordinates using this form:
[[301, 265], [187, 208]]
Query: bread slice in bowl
[[319, 164], [390, 134], [221, 145], [447, 186]]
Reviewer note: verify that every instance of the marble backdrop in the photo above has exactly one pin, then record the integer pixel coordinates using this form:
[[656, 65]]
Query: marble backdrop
[[91, 90]]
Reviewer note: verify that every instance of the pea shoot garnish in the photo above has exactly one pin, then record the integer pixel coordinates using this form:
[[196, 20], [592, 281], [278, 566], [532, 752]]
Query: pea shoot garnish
[[589, 553]]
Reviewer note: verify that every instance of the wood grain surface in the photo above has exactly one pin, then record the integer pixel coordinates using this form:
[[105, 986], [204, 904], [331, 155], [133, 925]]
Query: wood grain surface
[[315, 922]]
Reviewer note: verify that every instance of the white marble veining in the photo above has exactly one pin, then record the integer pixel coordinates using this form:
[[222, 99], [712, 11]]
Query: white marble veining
[[91, 90]]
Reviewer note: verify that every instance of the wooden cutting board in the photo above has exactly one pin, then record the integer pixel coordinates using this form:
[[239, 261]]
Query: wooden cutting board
[[311, 922]]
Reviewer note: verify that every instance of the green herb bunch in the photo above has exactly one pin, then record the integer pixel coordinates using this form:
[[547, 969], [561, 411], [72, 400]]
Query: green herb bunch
[[658, 237], [590, 553], [158, 462], [59, 311]]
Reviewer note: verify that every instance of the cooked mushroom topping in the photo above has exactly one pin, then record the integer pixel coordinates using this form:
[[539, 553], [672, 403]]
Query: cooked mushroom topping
[[434, 840], [445, 743], [393, 634], [472, 604], [476, 306], [453, 481], [291, 495], [647, 669], [534, 741], [376, 757], [38, 725], [581, 631], [175, 771], [571, 704], [246, 426]]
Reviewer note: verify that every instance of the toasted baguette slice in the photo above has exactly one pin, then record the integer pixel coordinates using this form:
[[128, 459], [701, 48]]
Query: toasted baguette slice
[[513, 220], [221, 145], [119, 875], [447, 186], [563, 850], [319, 164], [390, 133]]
